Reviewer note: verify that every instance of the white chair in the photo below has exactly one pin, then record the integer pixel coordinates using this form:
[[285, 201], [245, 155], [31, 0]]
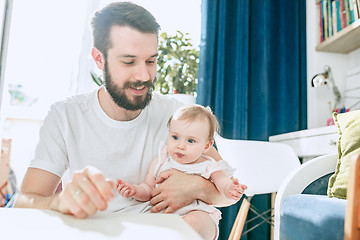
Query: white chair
[[260, 165], [299, 179]]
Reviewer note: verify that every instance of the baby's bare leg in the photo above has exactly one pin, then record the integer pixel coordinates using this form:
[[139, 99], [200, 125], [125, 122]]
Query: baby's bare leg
[[201, 222]]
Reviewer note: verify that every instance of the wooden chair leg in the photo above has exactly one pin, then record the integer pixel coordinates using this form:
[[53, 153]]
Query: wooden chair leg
[[239, 223], [352, 217]]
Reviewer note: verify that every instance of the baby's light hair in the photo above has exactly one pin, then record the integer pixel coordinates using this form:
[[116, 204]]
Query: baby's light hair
[[197, 112]]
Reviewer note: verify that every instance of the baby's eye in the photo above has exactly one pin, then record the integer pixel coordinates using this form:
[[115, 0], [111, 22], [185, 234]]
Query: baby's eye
[[175, 137], [191, 140]]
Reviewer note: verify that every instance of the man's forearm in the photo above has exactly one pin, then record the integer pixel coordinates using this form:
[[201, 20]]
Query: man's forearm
[[180, 189], [30, 200]]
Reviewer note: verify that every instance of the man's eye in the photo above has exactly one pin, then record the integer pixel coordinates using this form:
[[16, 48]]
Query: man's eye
[[151, 61], [128, 63], [191, 140]]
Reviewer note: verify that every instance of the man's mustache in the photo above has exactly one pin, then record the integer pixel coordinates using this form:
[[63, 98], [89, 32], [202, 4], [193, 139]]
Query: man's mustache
[[147, 84]]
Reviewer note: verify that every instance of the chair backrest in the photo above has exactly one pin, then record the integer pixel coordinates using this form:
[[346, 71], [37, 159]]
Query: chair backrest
[[260, 165]]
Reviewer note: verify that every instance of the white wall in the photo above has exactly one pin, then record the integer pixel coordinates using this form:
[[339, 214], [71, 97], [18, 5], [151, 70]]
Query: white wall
[[318, 98]]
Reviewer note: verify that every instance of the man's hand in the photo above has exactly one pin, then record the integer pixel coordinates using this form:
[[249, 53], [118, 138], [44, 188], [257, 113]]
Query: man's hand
[[85, 194], [176, 190]]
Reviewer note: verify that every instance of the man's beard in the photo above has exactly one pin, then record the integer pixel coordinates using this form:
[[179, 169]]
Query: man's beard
[[119, 96]]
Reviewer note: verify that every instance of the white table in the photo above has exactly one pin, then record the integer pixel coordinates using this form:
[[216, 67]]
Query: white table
[[16, 223], [310, 143]]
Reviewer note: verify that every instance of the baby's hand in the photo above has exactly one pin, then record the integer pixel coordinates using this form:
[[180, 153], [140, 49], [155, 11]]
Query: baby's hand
[[236, 190], [125, 189]]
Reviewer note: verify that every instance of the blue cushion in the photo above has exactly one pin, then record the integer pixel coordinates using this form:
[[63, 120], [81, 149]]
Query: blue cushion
[[305, 216]]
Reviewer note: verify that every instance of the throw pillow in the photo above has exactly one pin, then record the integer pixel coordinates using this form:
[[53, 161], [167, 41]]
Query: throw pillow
[[348, 145]]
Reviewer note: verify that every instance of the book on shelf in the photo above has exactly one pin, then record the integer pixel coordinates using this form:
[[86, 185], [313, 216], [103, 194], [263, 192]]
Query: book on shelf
[[356, 10], [352, 10], [342, 13], [330, 21], [335, 15], [347, 12], [335, 18], [321, 22], [324, 19]]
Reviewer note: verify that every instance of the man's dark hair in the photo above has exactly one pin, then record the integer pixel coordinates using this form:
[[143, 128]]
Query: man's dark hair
[[120, 14]]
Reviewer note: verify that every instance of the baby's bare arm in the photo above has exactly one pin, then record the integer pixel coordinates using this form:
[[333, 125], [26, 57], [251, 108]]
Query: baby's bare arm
[[142, 191], [230, 188]]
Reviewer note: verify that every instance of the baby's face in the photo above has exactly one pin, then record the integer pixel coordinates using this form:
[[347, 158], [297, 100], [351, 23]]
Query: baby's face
[[187, 141]]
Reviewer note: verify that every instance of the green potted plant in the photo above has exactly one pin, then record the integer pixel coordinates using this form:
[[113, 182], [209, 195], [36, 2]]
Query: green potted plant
[[177, 64]]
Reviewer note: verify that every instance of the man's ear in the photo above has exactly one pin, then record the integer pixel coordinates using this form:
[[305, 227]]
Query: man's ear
[[208, 145], [98, 58]]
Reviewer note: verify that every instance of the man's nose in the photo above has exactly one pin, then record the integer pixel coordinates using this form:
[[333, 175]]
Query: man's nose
[[142, 73]]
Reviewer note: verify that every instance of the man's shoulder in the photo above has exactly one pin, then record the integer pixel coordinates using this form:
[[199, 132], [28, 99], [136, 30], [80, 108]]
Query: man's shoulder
[[79, 101], [164, 101], [161, 107]]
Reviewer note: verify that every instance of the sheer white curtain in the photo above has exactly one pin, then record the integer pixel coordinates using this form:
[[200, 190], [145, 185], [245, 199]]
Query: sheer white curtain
[[81, 79]]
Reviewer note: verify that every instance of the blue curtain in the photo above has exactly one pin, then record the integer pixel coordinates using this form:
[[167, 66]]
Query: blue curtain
[[252, 72]]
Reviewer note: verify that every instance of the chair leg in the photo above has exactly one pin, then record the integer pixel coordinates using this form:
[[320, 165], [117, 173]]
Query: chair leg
[[352, 219], [239, 223]]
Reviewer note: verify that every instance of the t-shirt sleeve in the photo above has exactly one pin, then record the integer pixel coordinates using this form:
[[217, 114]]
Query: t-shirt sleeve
[[50, 153]]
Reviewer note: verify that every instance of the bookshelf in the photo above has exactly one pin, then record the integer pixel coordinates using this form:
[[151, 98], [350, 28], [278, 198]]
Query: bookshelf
[[344, 41], [348, 38]]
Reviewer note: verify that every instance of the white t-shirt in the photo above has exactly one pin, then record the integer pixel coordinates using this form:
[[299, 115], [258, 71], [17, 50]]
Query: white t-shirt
[[77, 133]]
